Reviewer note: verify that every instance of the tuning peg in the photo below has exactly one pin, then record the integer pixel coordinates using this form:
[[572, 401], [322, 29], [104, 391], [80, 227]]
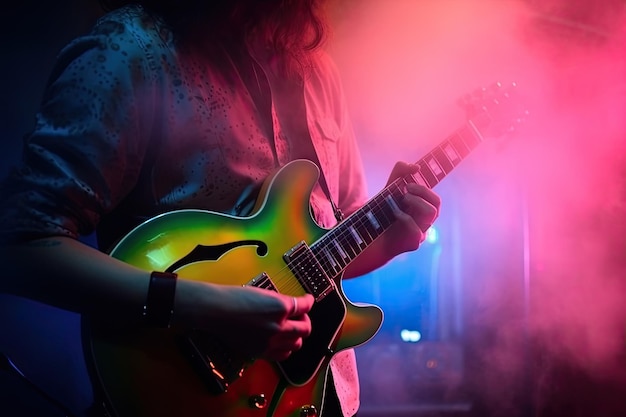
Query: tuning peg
[[496, 86], [480, 92], [523, 117]]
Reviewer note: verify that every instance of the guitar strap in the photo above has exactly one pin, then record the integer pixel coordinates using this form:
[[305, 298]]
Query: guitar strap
[[289, 101], [311, 154], [257, 80]]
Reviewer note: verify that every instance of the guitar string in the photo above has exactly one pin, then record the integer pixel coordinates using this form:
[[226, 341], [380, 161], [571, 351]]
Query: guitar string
[[360, 221], [344, 235], [300, 260]]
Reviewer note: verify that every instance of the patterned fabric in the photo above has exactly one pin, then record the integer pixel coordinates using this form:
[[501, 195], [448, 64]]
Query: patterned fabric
[[130, 114]]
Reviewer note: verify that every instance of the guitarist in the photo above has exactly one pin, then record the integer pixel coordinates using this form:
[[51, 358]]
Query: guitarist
[[173, 104]]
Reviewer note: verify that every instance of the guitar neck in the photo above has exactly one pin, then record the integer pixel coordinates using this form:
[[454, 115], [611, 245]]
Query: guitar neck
[[341, 245]]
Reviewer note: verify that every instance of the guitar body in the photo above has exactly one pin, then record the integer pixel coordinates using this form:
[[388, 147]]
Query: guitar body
[[148, 372], [164, 372]]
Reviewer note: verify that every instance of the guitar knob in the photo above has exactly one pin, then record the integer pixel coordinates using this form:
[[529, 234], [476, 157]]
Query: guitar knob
[[258, 401], [308, 411]]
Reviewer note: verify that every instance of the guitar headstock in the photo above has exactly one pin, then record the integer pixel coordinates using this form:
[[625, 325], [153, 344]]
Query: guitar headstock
[[495, 110]]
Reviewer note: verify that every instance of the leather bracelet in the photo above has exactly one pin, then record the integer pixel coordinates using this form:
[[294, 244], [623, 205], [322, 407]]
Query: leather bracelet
[[159, 306]]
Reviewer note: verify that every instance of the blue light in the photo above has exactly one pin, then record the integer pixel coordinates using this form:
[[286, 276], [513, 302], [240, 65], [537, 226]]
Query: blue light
[[432, 235], [410, 336]]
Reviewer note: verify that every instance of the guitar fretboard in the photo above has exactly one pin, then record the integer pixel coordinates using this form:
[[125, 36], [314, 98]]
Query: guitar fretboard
[[341, 245]]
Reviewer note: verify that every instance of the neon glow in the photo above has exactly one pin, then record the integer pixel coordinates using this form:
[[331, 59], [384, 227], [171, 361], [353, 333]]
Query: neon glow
[[432, 235], [410, 336]]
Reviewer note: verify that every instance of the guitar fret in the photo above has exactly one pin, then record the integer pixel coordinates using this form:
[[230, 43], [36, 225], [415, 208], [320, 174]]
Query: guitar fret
[[451, 154], [328, 264], [392, 203], [385, 210], [355, 233], [361, 228], [330, 258], [435, 167], [315, 266], [420, 179], [332, 249], [376, 216], [344, 244], [442, 158], [429, 177], [348, 246], [373, 221], [347, 241], [474, 135], [459, 145], [357, 237], [358, 240]]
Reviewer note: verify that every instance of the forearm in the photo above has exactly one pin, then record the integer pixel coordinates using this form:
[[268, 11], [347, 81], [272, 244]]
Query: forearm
[[65, 273], [68, 274]]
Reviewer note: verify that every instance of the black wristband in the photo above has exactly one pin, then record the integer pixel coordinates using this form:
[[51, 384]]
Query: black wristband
[[159, 307]]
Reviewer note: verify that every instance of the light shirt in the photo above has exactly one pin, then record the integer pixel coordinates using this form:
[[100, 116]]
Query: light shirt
[[130, 114]]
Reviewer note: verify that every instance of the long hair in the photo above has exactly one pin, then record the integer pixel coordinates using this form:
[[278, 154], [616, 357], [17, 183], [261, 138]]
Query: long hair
[[292, 28]]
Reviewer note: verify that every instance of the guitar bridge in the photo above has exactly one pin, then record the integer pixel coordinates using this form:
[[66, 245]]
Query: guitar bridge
[[217, 366]]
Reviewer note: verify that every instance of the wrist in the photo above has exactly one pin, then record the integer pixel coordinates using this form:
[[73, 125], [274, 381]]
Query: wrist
[[158, 308]]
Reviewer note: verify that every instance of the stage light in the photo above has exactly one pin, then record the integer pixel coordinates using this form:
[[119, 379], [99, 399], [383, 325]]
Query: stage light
[[432, 235], [410, 336]]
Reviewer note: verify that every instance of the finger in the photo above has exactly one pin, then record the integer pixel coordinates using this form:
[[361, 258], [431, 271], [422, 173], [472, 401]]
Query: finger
[[276, 352], [402, 169], [299, 326], [291, 338], [411, 230], [420, 209], [302, 305], [425, 193], [288, 340], [278, 355]]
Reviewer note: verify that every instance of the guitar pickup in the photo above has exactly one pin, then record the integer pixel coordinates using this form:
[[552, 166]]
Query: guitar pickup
[[305, 266], [262, 281]]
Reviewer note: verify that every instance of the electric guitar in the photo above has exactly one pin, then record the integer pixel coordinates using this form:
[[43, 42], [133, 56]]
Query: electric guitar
[[167, 372]]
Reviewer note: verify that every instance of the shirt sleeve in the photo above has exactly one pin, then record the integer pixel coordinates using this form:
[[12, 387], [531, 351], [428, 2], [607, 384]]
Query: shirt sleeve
[[86, 149]]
